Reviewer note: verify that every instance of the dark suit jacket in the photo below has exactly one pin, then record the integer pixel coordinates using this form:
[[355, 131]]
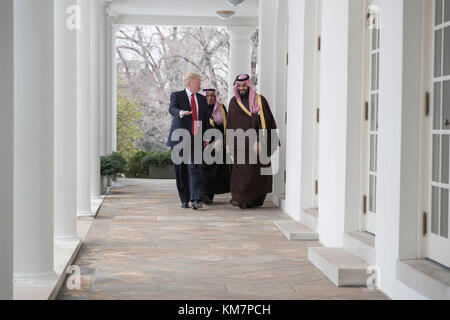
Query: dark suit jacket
[[179, 101]]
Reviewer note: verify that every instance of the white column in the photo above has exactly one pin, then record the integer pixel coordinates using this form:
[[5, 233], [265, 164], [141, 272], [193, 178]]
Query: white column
[[267, 49], [240, 53], [279, 107], [84, 111], [401, 112], [111, 130], [341, 114], [111, 112], [7, 147], [103, 75], [65, 124], [114, 90], [299, 127], [333, 121], [95, 98], [33, 139]]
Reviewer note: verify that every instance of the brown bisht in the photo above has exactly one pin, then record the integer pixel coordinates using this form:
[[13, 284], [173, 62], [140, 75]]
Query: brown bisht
[[248, 186]]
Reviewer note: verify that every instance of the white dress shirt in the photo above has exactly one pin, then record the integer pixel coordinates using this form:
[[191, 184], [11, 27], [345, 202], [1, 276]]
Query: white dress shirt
[[189, 98]]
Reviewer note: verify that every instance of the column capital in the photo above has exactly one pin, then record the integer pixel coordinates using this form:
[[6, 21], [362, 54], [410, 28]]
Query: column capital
[[240, 33], [111, 15]]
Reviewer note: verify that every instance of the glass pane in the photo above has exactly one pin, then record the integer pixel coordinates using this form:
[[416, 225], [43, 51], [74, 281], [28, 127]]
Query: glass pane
[[447, 51], [372, 153], [378, 37], [374, 113], [438, 13], [436, 151], [437, 53], [444, 213], [437, 106], [435, 210], [447, 11], [446, 105], [445, 158], [376, 153], [374, 71], [375, 194], [378, 71], [372, 194], [375, 39]]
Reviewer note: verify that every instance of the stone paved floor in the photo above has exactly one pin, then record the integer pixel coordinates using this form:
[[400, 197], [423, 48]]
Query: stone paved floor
[[143, 246]]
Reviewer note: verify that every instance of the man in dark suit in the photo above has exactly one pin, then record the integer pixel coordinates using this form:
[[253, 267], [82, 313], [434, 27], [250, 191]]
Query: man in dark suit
[[187, 108]]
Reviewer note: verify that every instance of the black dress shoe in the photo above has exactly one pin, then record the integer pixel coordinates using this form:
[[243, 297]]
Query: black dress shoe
[[185, 206], [206, 200], [197, 205], [243, 206], [259, 203], [234, 203]]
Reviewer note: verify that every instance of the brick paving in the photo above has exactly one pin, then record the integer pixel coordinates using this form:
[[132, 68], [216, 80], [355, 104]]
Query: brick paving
[[143, 246]]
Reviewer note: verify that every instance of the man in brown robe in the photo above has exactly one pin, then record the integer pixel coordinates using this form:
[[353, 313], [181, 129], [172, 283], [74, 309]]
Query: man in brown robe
[[248, 110], [217, 175]]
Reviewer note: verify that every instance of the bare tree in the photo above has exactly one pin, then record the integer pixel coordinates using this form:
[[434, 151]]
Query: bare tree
[[152, 62]]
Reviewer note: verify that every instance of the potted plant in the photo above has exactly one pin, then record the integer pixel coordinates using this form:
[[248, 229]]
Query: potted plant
[[106, 170], [110, 166], [159, 165]]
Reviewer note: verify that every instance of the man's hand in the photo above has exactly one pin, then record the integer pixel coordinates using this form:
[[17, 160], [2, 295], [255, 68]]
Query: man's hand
[[257, 147], [218, 145], [205, 144], [185, 113]]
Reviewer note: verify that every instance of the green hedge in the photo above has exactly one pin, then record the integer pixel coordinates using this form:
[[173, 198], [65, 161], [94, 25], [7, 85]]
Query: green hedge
[[135, 169], [158, 159], [138, 165]]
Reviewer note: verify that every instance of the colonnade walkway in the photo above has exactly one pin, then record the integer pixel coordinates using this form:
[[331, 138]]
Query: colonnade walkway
[[143, 246]]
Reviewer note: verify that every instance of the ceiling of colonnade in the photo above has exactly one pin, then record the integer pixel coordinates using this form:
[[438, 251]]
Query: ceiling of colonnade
[[192, 8]]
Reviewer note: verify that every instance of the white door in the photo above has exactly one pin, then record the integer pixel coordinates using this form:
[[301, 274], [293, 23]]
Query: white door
[[438, 243], [370, 144], [315, 182]]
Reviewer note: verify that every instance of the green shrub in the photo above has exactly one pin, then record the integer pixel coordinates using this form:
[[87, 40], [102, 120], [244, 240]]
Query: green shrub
[[135, 168], [112, 164], [119, 162], [158, 159], [106, 166]]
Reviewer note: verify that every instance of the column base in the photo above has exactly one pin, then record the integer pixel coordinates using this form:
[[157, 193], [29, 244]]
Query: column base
[[67, 238], [85, 214], [23, 278], [47, 287]]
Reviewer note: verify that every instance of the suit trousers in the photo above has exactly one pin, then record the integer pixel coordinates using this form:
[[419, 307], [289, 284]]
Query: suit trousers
[[189, 181]]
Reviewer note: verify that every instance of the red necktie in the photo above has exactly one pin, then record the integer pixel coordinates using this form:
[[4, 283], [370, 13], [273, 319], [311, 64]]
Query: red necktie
[[194, 115]]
